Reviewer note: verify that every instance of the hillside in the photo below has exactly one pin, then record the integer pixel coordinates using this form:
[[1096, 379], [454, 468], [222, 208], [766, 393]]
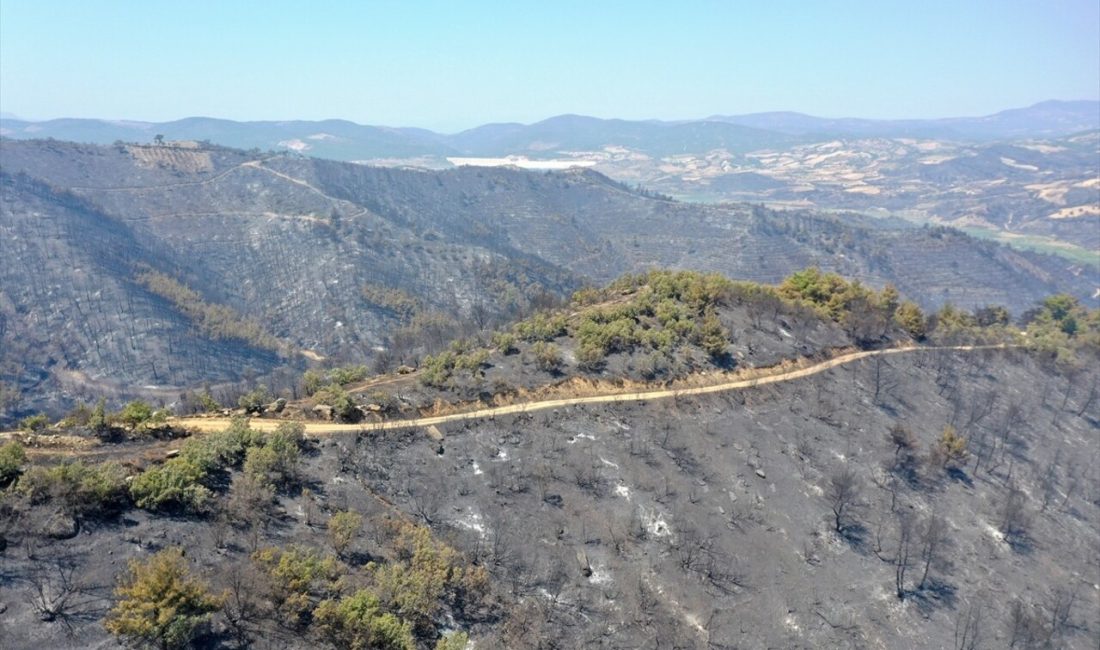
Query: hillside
[[159, 262], [891, 500], [1024, 176]]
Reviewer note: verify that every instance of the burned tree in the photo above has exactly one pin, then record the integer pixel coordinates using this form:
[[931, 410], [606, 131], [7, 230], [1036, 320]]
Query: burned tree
[[843, 492]]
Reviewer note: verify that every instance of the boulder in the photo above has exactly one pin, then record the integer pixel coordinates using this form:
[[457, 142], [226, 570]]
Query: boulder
[[323, 411]]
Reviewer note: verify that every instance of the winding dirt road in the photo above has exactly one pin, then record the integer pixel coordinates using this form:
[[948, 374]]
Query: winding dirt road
[[317, 429]]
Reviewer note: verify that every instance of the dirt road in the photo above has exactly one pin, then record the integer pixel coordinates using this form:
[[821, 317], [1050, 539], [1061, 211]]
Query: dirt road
[[316, 429]]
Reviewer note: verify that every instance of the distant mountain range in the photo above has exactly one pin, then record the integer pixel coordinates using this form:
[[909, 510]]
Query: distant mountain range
[[343, 140]]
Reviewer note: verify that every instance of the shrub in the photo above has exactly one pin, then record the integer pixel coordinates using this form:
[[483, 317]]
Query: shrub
[[34, 423], [359, 622], [425, 574], [547, 356], [950, 449], [216, 451], [12, 457], [160, 604], [312, 381], [437, 370], [207, 402], [175, 485], [78, 417], [254, 400], [298, 576], [347, 374], [82, 489], [453, 641], [275, 460], [505, 342], [343, 406], [135, 414], [590, 357], [541, 327]]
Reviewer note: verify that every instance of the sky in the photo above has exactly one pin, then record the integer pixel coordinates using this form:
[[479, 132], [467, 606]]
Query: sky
[[453, 65]]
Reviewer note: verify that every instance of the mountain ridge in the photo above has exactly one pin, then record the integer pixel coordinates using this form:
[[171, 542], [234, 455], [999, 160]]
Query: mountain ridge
[[1044, 119]]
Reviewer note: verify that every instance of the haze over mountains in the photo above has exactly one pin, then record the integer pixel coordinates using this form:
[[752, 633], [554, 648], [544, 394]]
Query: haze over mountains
[[344, 140], [1029, 176]]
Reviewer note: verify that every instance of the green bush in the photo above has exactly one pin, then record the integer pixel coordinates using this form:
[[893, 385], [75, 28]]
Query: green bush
[[347, 375], [298, 577], [505, 342], [712, 337], [12, 457], [590, 357], [425, 575], [207, 402], [255, 400], [547, 356], [135, 414], [359, 622], [541, 327], [437, 370], [343, 406], [175, 485], [453, 641], [81, 488], [312, 381], [98, 421], [34, 423]]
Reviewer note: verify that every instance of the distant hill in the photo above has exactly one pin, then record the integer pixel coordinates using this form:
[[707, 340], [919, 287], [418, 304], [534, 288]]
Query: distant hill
[[343, 140], [151, 269], [1043, 120]]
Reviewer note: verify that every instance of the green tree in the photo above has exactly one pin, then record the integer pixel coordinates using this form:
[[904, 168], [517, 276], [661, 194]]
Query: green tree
[[911, 319], [160, 605], [342, 529], [359, 622], [713, 338], [312, 381], [12, 457], [97, 421], [135, 414]]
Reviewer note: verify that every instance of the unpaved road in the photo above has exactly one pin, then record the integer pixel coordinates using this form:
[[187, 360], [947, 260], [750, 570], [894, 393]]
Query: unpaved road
[[316, 429]]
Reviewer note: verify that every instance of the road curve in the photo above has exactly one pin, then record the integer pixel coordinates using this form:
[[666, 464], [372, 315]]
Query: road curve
[[322, 428]]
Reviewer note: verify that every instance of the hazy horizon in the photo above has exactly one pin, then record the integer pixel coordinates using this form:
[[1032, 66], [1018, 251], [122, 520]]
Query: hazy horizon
[[449, 67]]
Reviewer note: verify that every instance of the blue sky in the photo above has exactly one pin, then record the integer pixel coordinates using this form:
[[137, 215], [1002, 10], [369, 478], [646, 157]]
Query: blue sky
[[453, 65]]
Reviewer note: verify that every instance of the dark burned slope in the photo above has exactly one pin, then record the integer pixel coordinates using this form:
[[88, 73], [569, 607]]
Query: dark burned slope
[[291, 244], [697, 523]]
